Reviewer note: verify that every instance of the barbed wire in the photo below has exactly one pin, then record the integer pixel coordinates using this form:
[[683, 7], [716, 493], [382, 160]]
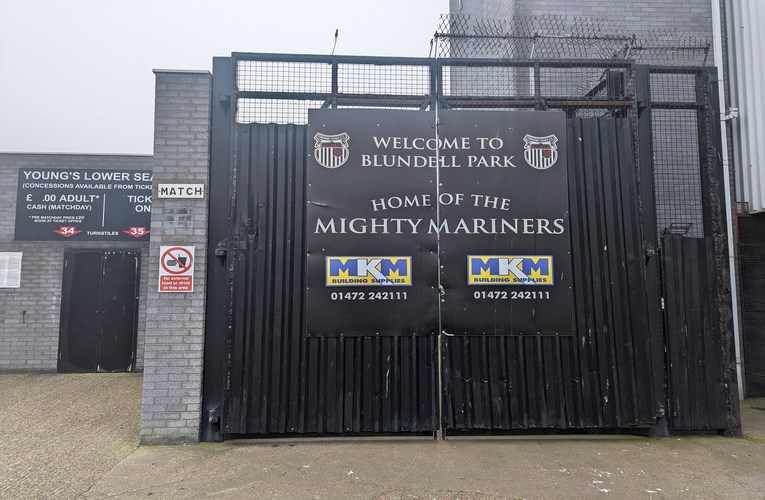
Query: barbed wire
[[566, 37]]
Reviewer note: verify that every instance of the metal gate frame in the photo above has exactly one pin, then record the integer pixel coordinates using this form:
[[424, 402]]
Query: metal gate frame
[[280, 88]]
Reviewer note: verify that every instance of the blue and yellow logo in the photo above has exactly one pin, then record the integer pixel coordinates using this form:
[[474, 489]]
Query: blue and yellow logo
[[369, 271], [510, 270]]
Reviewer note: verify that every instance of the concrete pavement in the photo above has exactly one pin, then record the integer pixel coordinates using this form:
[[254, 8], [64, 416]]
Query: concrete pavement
[[60, 433], [90, 456]]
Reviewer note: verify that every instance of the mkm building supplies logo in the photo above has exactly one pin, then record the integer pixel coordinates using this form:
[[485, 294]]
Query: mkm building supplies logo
[[510, 270], [369, 271]]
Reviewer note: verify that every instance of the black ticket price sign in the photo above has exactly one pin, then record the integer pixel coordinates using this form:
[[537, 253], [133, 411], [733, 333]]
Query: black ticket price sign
[[83, 204]]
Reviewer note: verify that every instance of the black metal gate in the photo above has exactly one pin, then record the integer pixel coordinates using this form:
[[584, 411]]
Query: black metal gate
[[592, 379], [265, 376], [697, 389]]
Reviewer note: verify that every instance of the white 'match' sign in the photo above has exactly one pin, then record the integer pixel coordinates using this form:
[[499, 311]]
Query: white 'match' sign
[[180, 191]]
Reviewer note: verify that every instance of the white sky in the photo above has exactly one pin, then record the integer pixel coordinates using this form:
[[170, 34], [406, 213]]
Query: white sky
[[76, 75]]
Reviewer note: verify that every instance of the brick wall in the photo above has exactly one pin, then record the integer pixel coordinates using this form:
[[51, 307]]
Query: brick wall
[[684, 15], [486, 9], [172, 390], [641, 16], [29, 315]]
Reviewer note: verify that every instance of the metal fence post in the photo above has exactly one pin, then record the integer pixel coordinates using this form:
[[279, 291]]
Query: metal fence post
[[217, 324], [651, 243]]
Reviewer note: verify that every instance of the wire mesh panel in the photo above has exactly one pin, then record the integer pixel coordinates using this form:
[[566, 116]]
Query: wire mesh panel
[[484, 81], [274, 88], [283, 76], [677, 176], [384, 80], [280, 111], [674, 88], [584, 89], [680, 139], [578, 81]]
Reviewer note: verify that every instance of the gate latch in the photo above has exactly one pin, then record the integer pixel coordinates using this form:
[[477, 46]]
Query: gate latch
[[221, 249]]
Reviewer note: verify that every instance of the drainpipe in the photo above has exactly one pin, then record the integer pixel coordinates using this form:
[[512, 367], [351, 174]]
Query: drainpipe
[[718, 50]]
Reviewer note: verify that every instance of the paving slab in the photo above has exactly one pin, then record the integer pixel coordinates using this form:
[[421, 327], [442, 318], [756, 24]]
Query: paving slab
[[76, 436]]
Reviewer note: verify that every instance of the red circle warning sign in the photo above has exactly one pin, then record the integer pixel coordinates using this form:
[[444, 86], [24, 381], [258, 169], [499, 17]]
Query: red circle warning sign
[[177, 260], [176, 269]]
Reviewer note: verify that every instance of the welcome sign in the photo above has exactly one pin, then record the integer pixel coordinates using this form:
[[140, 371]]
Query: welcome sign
[[413, 226]]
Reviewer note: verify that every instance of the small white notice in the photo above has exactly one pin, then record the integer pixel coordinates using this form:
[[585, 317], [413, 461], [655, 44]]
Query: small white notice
[[10, 269], [181, 191]]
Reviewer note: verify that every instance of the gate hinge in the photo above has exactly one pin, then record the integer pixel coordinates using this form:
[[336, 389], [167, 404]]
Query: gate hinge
[[213, 415]]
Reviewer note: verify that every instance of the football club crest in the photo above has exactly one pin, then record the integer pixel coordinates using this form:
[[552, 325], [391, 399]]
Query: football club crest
[[540, 152], [331, 151]]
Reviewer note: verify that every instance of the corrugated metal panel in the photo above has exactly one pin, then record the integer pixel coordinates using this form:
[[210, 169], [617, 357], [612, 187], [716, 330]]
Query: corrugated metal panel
[[603, 376], [746, 52], [280, 381], [697, 387]]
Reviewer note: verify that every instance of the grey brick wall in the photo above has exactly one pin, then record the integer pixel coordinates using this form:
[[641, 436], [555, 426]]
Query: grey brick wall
[[29, 316], [641, 16], [172, 389], [486, 9]]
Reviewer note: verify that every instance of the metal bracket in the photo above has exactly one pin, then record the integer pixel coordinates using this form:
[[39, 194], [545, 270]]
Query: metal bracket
[[225, 100], [730, 115]]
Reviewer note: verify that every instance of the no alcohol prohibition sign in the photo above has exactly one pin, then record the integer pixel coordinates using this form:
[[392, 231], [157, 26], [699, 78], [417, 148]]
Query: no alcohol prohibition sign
[[176, 269]]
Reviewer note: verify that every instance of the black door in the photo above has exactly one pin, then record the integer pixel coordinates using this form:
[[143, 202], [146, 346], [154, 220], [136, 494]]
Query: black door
[[99, 308], [697, 384]]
